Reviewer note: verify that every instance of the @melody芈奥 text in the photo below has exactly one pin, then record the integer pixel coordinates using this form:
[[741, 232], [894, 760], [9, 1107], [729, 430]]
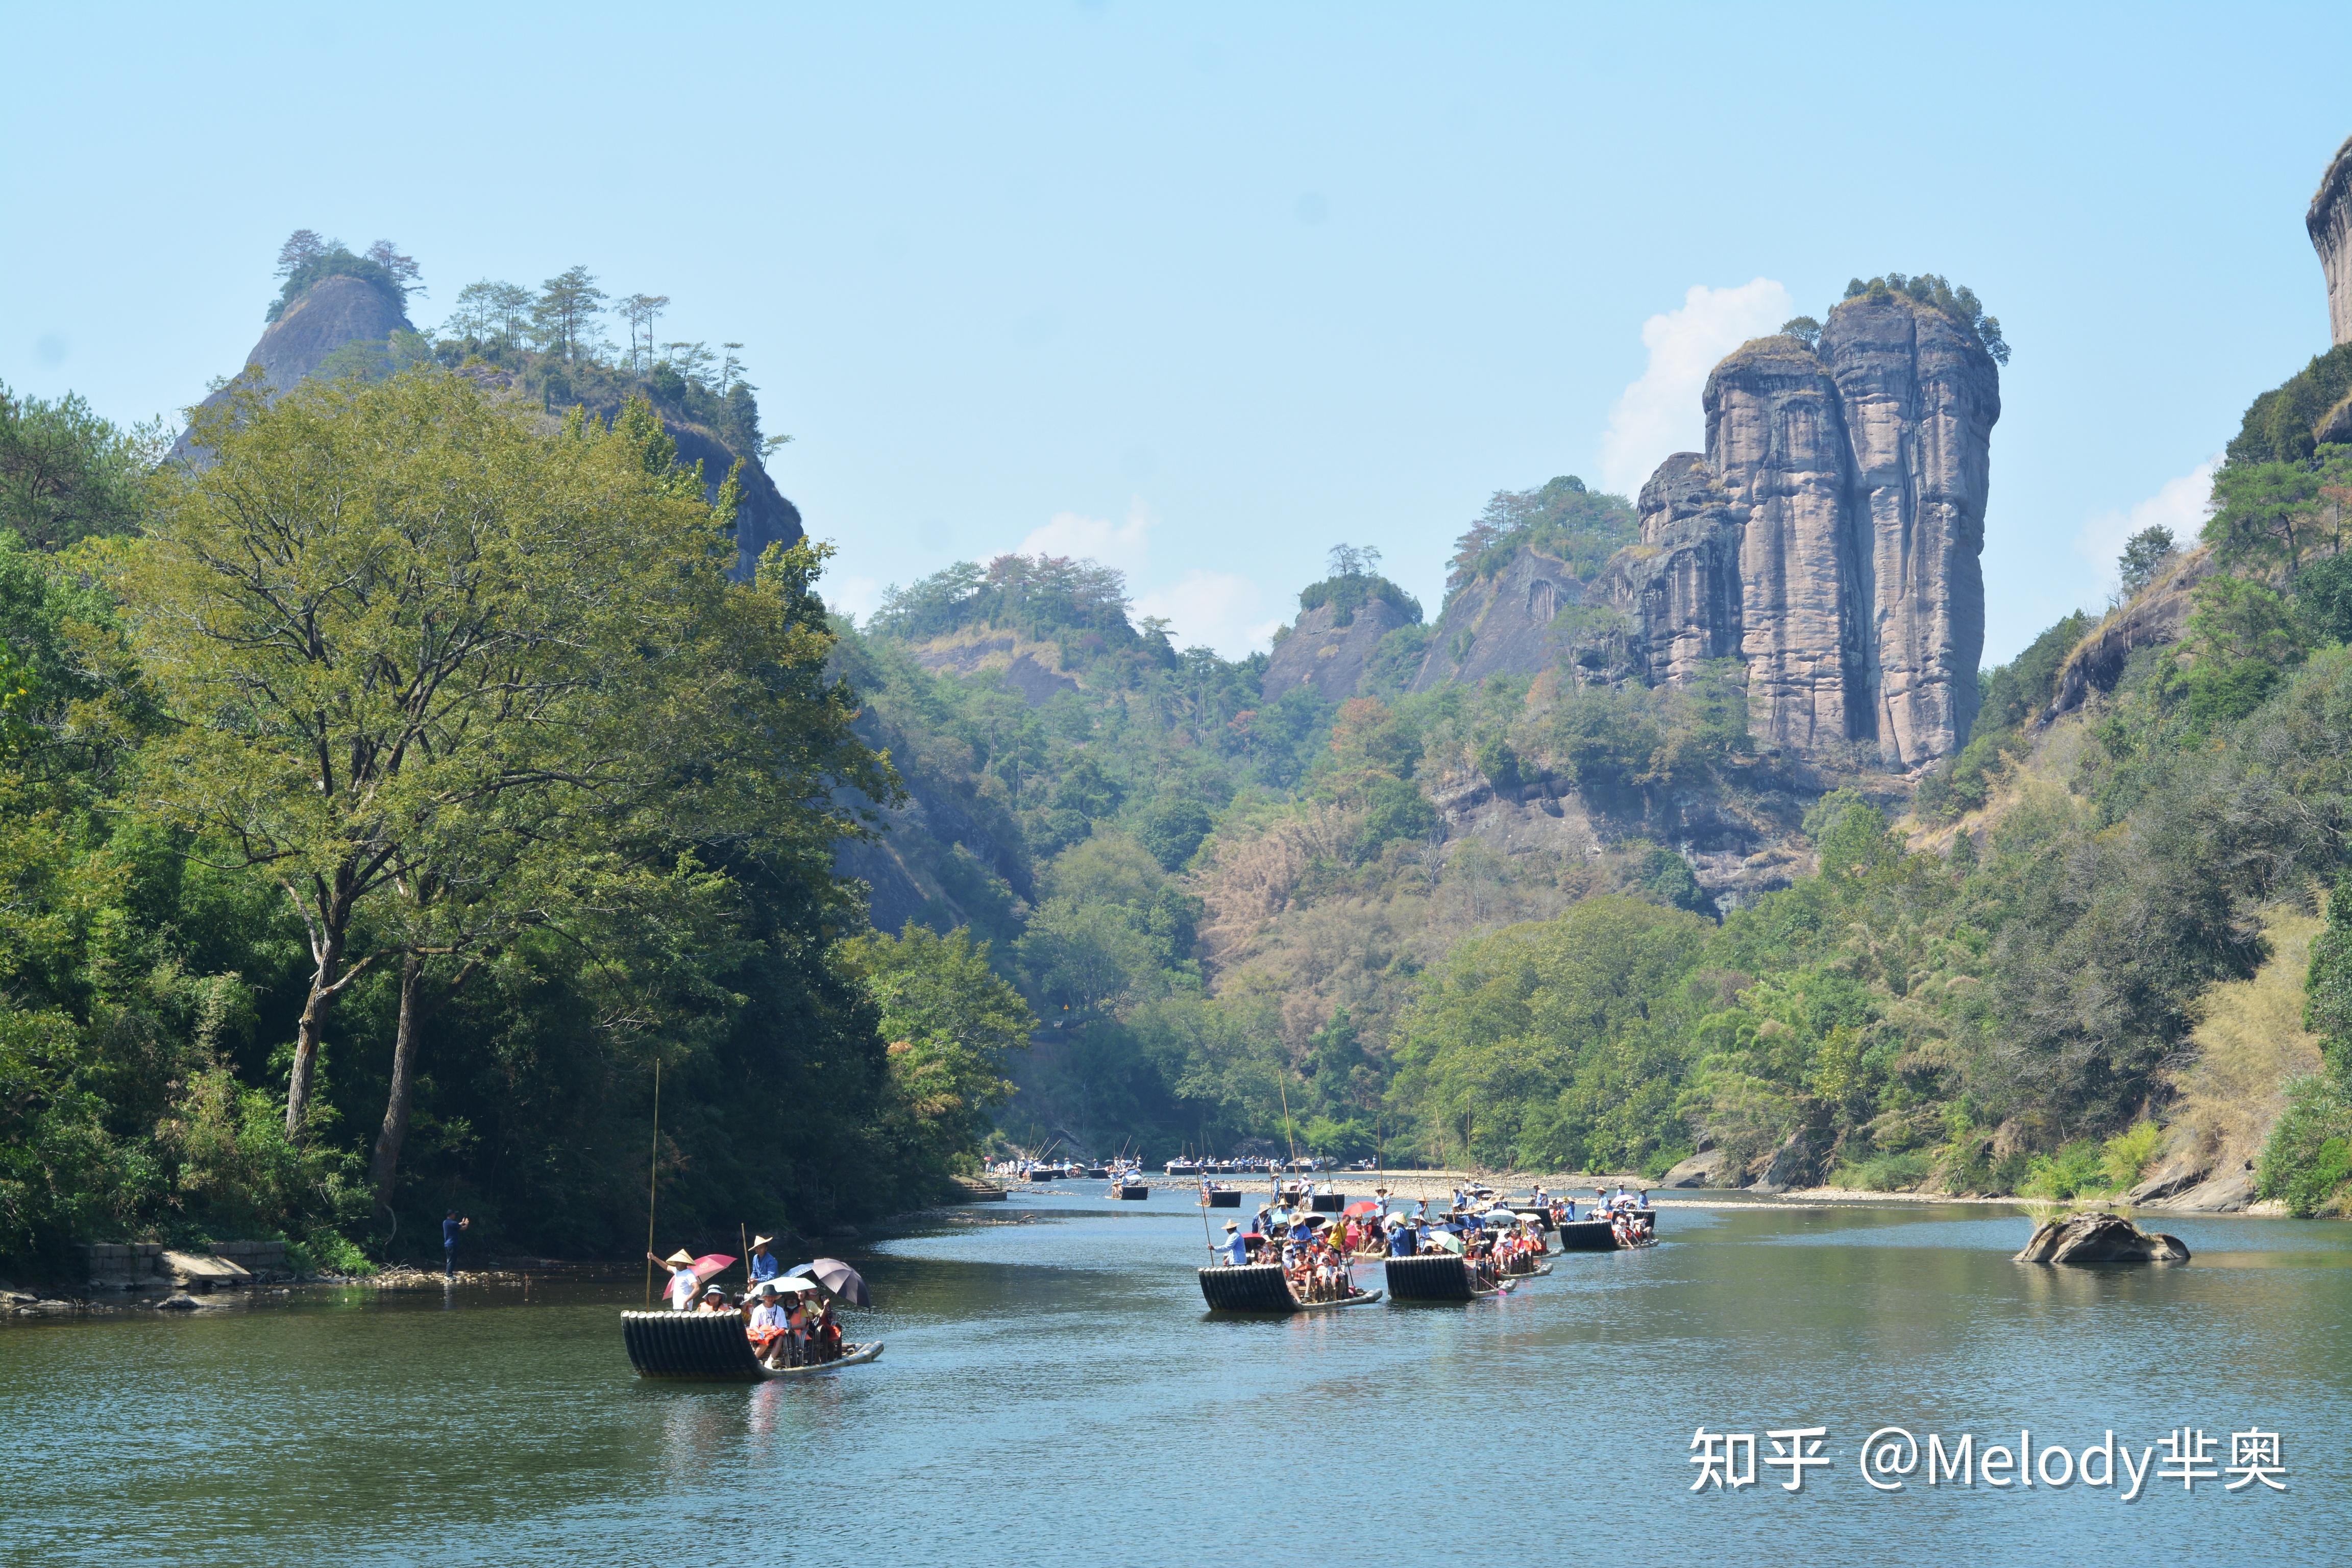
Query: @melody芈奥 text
[[1892, 1459]]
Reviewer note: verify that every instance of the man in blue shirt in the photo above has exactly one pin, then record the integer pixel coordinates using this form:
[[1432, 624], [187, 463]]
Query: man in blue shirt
[[449, 1229], [1236, 1250], [763, 1262]]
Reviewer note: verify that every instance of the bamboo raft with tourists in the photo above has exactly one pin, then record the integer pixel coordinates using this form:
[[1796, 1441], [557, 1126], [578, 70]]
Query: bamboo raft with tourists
[[784, 1324]]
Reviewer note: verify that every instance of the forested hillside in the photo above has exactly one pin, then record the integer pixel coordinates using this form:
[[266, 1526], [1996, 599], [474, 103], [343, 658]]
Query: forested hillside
[[1478, 922]]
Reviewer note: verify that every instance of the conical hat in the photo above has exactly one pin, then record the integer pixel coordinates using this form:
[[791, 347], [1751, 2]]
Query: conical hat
[[681, 1259], [759, 1241]]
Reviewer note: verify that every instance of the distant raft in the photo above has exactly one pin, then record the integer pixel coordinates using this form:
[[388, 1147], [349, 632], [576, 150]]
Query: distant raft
[[711, 1347], [1261, 1288]]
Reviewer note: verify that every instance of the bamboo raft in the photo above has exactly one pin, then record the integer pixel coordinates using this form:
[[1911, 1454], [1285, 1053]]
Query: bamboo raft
[[1224, 1198], [1132, 1192], [1597, 1234], [711, 1347], [1261, 1288], [1436, 1277]]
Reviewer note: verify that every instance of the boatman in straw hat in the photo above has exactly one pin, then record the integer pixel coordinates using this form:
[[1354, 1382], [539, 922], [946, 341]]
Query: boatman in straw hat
[[764, 1266], [684, 1285], [1235, 1250]]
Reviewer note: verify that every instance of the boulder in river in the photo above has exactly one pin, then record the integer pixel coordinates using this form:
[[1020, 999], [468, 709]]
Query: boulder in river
[[2100, 1238]]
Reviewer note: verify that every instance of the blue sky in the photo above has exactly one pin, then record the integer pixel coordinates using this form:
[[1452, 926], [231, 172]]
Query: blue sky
[[1203, 290]]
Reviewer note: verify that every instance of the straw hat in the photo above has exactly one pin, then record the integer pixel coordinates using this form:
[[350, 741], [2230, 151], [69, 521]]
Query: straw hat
[[1232, 1225], [681, 1259], [759, 1241]]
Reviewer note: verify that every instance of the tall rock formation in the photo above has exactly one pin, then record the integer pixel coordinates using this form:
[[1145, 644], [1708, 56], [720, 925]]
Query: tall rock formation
[[333, 312], [1324, 652], [2329, 223], [1686, 578], [340, 310], [1831, 534]]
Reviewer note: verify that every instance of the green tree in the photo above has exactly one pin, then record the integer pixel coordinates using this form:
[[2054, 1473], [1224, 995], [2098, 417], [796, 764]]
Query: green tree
[[2143, 555], [67, 474], [567, 304], [386, 615], [952, 1024]]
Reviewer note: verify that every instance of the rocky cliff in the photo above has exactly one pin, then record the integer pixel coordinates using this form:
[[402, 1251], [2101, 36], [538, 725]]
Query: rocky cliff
[[1840, 507], [1508, 624], [2329, 223], [337, 312], [1321, 652]]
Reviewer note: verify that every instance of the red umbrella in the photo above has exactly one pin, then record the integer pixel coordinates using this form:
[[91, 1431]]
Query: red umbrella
[[710, 1264], [1359, 1209]]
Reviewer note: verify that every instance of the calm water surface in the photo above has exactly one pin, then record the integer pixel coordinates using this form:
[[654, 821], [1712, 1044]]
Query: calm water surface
[[1052, 1390]]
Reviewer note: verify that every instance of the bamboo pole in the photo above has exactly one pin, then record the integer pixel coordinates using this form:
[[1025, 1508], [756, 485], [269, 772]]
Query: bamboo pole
[[653, 1179]]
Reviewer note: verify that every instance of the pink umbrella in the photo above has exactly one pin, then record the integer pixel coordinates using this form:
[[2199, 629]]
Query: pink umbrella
[[1358, 1210], [710, 1264]]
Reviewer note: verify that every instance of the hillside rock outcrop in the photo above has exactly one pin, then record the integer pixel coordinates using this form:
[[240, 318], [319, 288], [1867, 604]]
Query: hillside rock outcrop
[[336, 311], [2156, 616], [1506, 625], [1831, 534], [1321, 653], [2329, 224]]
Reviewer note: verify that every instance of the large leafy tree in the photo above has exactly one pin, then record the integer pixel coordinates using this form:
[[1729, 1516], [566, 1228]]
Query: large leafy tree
[[416, 648]]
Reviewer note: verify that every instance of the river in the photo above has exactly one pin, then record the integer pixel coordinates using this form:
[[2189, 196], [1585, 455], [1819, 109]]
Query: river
[[1052, 1391]]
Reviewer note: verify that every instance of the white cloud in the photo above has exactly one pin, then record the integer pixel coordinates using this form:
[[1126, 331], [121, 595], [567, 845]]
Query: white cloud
[[2179, 505], [1659, 413], [1216, 608], [1120, 544]]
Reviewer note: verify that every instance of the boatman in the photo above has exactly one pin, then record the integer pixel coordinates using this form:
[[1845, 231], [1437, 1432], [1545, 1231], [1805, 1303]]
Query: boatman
[[684, 1283], [764, 1266], [1235, 1250], [449, 1229]]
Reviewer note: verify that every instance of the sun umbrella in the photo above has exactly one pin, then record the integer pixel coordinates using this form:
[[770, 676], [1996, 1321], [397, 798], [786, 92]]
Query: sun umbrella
[[1499, 1217], [710, 1263], [1359, 1209], [1445, 1240], [842, 1280], [796, 1284]]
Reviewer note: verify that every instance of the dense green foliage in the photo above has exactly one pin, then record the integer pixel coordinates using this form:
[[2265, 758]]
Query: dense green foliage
[[547, 937], [1580, 527], [1961, 304], [306, 260]]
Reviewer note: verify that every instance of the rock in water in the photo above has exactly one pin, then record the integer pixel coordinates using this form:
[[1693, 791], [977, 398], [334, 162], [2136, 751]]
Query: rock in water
[[2100, 1238], [2329, 223]]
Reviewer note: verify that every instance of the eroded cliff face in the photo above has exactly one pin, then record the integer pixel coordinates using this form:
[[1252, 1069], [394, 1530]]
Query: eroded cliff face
[[336, 311], [2329, 223], [1830, 536], [1920, 398], [1686, 574], [1509, 624], [1323, 654]]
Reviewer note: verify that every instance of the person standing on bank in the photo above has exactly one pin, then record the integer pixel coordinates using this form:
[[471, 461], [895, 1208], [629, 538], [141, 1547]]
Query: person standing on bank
[[449, 1229]]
